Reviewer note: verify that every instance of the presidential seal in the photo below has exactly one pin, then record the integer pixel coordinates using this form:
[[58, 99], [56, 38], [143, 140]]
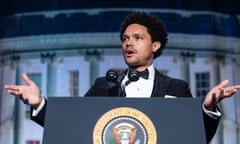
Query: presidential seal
[[124, 125]]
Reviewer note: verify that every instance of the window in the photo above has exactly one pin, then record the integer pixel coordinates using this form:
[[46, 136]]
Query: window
[[202, 83], [73, 83]]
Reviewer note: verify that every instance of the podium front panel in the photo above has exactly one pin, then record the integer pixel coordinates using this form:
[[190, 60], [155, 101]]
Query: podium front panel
[[87, 120]]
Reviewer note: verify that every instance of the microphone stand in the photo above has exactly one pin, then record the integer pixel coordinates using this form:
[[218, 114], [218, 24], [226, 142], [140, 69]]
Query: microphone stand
[[112, 76]]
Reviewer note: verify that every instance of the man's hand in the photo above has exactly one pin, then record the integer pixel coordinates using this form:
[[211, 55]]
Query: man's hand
[[28, 93], [218, 93]]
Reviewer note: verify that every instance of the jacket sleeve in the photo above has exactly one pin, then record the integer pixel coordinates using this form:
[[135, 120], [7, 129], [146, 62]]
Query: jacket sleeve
[[40, 117], [210, 125]]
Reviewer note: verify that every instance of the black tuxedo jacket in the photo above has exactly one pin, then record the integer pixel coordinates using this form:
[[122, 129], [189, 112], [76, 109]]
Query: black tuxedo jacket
[[163, 85]]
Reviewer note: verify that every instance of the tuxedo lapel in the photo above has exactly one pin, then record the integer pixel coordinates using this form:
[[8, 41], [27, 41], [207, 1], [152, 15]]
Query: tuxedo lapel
[[160, 85], [114, 91]]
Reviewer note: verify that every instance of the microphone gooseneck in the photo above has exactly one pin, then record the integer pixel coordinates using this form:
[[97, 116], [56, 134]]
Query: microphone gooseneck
[[112, 76]]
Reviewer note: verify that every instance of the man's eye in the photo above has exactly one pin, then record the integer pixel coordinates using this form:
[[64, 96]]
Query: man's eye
[[124, 38], [138, 37]]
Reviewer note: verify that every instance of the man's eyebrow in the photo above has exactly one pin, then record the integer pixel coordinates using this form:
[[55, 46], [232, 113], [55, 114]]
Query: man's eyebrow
[[124, 35], [138, 34], [134, 34]]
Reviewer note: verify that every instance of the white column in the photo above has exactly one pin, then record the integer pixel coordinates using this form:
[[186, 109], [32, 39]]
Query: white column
[[49, 59], [185, 71], [230, 124], [93, 57], [1, 87], [17, 118], [6, 108], [216, 78], [9, 129], [187, 58], [237, 95]]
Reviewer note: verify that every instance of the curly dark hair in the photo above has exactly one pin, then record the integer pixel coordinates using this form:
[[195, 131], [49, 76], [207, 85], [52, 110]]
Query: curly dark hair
[[154, 25]]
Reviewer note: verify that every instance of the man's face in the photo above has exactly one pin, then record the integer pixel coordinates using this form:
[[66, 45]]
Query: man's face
[[138, 47]]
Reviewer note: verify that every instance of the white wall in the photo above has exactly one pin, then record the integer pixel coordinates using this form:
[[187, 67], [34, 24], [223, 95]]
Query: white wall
[[68, 64]]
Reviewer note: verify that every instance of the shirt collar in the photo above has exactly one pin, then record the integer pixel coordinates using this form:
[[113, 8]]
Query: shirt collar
[[151, 72]]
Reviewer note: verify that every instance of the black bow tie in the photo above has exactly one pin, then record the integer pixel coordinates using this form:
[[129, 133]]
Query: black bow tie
[[134, 75], [144, 74]]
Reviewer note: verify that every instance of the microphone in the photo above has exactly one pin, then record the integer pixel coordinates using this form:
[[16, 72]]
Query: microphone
[[133, 75], [112, 76]]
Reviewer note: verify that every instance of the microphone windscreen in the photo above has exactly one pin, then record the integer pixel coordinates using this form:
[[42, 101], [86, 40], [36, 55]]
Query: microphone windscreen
[[133, 75], [112, 75]]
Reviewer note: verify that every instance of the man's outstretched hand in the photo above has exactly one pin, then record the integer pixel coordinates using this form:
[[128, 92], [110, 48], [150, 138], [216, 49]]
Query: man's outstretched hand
[[28, 93], [218, 93]]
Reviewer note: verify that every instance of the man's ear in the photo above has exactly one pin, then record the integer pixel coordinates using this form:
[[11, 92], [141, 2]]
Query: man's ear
[[156, 45]]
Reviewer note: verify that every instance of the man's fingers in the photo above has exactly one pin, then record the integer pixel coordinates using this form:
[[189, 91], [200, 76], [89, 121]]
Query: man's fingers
[[14, 92], [223, 84], [236, 87], [230, 91], [19, 95], [218, 95], [27, 80], [12, 87]]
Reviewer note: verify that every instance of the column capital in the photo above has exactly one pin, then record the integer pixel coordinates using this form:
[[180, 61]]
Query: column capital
[[14, 60], [48, 57], [220, 57], [188, 56], [236, 61], [93, 55], [2, 61]]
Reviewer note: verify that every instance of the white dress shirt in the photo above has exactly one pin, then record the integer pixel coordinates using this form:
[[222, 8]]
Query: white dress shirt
[[142, 87]]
